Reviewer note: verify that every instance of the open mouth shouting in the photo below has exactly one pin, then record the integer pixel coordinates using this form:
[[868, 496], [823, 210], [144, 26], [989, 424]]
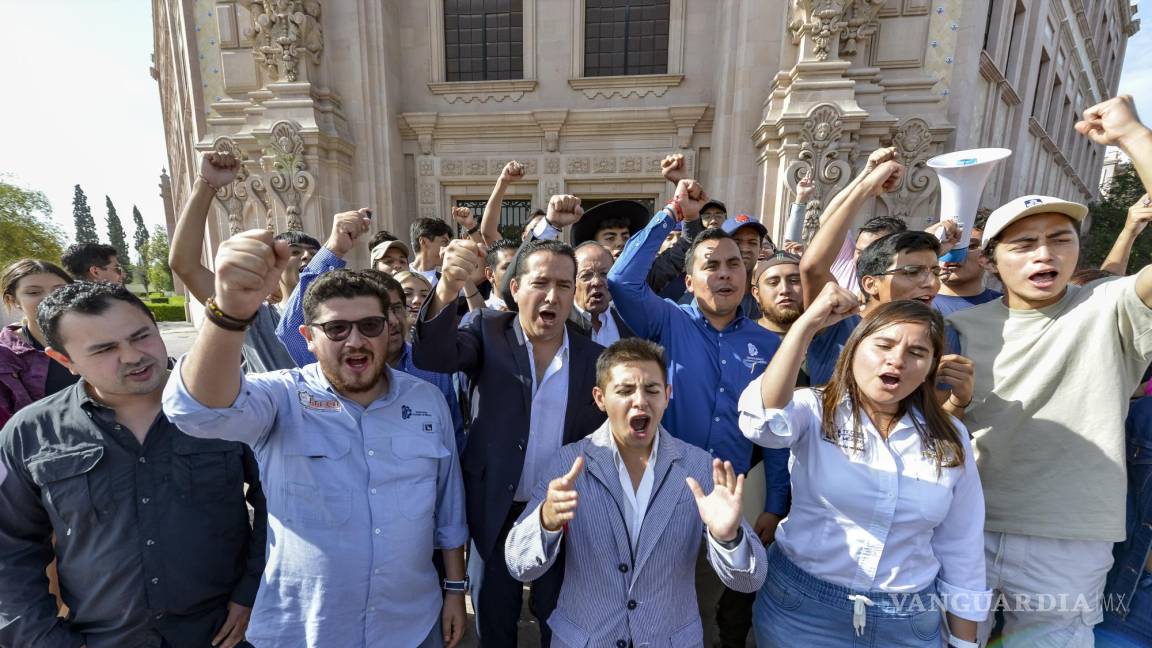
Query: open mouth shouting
[[890, 380], [1043, 279], [548, 316], [638, 424], [596, 298], [357, 361]]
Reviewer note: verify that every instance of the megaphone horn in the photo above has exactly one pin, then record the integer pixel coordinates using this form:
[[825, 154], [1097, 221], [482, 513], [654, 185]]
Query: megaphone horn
[[963, 175]]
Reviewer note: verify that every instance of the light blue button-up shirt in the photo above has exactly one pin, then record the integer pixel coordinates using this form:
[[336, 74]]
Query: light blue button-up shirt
[[358, 498]]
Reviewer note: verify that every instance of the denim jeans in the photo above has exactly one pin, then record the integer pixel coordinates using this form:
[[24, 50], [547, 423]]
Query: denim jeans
[[795, 608], [1133, 630]]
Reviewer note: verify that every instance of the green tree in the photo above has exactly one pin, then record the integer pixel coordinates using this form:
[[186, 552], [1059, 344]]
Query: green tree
[[159, 273], [82, 216], [1108, 217], [26, 230], [116, 238], [140, 240]]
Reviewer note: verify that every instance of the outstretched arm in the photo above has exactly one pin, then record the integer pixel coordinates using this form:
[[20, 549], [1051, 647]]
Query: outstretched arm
[[490, 222], [216, 170]]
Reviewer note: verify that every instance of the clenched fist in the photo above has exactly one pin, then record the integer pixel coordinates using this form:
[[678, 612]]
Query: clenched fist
[[672, 168], [218, 169], [511, 172], [1113, 123], [564, 211], [248, 268], [805, 188], [559, 507], [346, 228], [830, 306], [689, 199], [882, 179], [462, 259], [464, 217]]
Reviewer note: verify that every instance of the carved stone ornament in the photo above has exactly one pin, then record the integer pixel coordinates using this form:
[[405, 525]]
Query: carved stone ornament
[[284, 32], [913, 141], [578, 165], [427, 166], [821, 141], [631, 164], [290, 179], [604, 165], [552, 165], [236, 197], [821, 21], [452, 167], [862, 22]]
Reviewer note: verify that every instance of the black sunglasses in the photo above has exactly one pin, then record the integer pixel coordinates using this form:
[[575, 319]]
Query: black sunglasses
[[339, 330]]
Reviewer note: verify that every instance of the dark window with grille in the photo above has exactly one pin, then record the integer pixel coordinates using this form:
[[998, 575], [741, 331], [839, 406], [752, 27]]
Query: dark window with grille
[[514, 214], [483, 40], [625, 37]]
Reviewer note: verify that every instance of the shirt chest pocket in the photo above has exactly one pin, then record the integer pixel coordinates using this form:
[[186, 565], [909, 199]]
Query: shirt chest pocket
[[417, 468], [206, 470], [313, 491], [72, 491], [931, 493]]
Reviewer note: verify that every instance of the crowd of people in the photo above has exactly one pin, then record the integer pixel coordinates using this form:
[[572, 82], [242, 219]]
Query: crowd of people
[[675, 431]]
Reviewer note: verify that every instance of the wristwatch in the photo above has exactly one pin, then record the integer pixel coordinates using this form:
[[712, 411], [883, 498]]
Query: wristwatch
[[456, 586]]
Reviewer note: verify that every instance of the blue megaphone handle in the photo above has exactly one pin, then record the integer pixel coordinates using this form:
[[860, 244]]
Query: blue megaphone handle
[[955, 256]]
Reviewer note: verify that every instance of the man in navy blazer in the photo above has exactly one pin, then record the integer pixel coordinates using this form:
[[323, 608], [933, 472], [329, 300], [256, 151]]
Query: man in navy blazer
[[632, 523], [534, 384]]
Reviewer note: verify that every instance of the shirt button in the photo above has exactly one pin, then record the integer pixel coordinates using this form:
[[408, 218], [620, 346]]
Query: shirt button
[[145, 500], [721, 390], [149, 542], [373, 491], [159, 616], [716, 419], [371, 453], [155, 581], [142, 460], [377, 570], [621, 644], [723, 362], [377, 531], [631, 605], [623, 568], [511, 487]]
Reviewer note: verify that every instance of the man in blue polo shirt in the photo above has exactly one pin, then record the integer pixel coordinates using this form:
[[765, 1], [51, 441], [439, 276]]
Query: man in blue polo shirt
[[714, 350]]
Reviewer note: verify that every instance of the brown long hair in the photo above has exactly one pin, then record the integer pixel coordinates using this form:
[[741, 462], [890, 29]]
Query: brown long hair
[[937, 434], [11, 275]]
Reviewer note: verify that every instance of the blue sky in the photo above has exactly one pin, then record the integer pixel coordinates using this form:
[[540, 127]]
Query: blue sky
[[81, 108]]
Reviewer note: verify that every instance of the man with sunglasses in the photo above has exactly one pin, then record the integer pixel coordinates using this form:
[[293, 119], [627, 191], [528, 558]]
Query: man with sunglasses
[[359, 461], [93, 262]]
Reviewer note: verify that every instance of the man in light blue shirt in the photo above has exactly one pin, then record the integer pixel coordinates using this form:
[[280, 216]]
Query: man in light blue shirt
[[359, 462]]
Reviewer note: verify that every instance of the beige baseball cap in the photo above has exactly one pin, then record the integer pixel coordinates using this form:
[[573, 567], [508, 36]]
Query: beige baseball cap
[[379, 251], [1025, 206]]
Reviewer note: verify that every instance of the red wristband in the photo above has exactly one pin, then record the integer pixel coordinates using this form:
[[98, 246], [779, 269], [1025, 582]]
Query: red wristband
[[677, 210]]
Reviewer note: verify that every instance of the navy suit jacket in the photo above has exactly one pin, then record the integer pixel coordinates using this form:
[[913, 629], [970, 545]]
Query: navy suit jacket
[[490, 349]]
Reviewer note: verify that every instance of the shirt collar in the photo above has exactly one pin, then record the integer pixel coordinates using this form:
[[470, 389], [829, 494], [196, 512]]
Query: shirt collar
[[561, 352], [314, 377], [697, 314], [618, 460]]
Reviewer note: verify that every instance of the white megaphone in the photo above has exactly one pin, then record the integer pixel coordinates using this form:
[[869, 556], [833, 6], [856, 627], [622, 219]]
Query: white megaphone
[[963, 175]]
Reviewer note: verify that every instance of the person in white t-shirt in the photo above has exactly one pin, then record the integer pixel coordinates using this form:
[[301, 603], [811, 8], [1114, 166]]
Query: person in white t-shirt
[[1055, 364]]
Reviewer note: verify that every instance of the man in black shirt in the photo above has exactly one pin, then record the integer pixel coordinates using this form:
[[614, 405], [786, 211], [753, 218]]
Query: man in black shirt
[[153, 539]]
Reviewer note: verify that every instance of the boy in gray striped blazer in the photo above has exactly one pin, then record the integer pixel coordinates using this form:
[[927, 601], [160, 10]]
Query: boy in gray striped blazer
[[633, 521]]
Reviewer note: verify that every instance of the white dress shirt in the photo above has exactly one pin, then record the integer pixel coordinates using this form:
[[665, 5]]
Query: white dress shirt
[[608, 333], [874, 515], [546, 422]]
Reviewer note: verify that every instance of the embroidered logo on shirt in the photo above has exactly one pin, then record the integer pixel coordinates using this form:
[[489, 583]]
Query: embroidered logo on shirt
[[407, 412], [752, 350], [312, 403], [847, 440], [427, 427]]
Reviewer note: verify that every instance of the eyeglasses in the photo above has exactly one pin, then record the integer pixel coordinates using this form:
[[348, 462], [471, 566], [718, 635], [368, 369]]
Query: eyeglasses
[[339, 330], [914, 271], [118, 269]]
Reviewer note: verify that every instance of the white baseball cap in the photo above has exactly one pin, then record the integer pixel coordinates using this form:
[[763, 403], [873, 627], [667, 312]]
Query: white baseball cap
[[379, 251], [1025, 206]]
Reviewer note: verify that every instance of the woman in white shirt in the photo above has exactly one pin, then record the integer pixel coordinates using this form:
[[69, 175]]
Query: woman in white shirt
[[887, 518]]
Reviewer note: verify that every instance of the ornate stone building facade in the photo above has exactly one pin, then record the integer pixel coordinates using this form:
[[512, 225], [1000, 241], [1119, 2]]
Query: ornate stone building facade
[[413, 106]]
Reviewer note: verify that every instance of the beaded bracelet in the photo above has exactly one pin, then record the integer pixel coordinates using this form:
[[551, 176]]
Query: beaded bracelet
[[223, 320]]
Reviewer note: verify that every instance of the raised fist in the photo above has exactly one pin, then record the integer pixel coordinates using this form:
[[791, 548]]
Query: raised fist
[[830, 306], [564, 211], [805, 188], [248, 269], [1139, 215], [346, 228], [464, 217], [672, 168], [884, 178], [512, 172], [878, 157], [1112, 123], [691, 198], [218, 169], [462, 260]]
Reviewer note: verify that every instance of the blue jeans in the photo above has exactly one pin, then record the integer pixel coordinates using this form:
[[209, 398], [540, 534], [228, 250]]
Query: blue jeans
[[795, 608], [1135, 629]]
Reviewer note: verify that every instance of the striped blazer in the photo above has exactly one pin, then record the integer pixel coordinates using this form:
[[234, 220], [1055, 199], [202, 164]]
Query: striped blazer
[[613, 593]]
